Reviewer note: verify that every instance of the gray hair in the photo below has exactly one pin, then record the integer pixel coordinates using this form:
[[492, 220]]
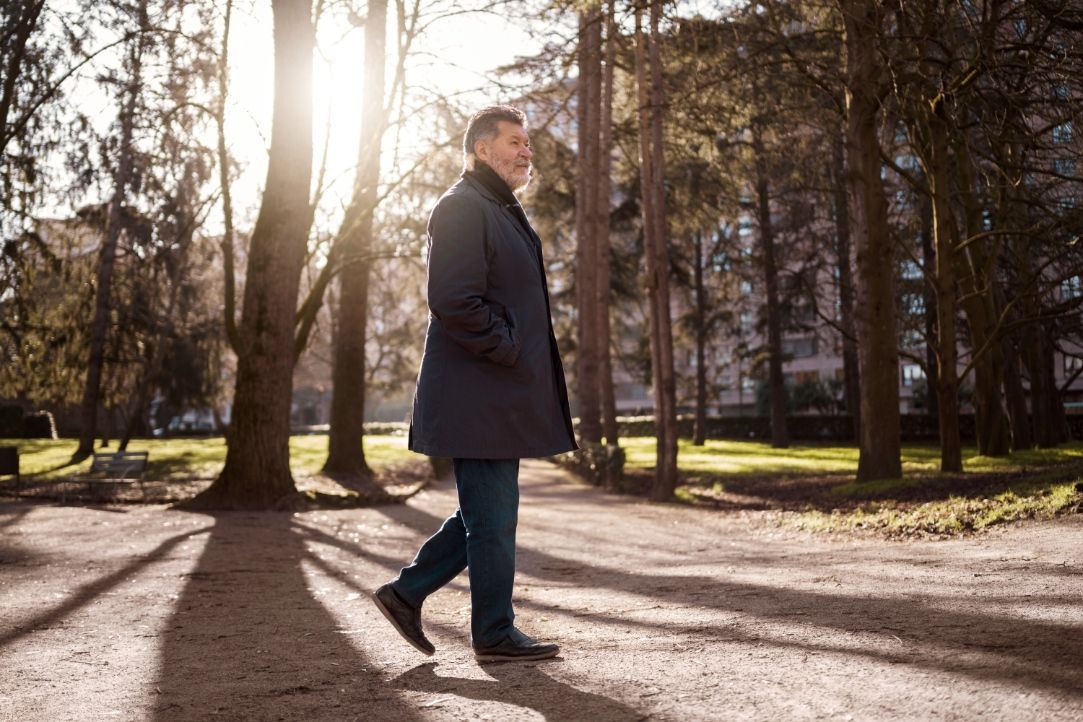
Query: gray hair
[[483, 126]]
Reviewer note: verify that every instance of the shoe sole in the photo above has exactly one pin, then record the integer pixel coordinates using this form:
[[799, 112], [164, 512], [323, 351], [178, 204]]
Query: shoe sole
[[491, 658], [384, 611]]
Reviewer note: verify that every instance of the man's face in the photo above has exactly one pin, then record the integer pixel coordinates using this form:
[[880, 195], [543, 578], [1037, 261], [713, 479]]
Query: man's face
[[508, 154]]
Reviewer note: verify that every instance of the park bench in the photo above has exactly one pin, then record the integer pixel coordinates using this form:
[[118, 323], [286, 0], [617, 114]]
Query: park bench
[[9, 463], [117, 467]]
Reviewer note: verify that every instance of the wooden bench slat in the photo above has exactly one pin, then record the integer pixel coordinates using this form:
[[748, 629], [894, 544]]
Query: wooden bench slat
[[118, 464]]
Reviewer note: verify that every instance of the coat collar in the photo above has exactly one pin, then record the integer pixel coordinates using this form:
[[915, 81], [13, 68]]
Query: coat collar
[[515, 209]]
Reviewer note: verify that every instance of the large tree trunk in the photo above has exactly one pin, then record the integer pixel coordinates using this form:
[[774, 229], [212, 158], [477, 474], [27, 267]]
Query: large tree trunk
[[947, 386], [875, 323], [587, 202], [346, 453], [99, 327], [652, 166], [776, 383], [601, 238], [851, 376], [257, 470]]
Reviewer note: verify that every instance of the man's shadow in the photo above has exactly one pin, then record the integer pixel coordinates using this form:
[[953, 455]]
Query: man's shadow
[[249, 639], [522, 685]]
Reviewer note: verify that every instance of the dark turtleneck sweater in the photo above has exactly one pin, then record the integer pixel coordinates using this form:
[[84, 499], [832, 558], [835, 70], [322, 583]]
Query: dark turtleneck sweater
[[487, 177]]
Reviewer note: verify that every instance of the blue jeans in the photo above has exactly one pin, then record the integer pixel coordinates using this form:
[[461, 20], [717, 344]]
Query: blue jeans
[[479, 536]]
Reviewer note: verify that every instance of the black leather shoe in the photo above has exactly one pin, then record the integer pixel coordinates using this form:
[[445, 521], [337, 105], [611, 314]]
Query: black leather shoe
[[516, 647], [405, 619]]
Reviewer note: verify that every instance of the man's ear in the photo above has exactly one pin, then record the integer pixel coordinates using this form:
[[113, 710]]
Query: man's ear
[[481, 150]]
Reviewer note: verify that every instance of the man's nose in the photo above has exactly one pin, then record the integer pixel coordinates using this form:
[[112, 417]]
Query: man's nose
[[526, 152]]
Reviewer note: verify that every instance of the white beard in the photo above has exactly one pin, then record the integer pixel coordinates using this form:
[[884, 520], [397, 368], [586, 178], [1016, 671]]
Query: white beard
[[517, 177]]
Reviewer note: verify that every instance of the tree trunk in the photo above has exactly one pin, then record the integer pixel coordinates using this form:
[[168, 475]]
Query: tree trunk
[[699, 432], [601, 238], [850, 373], [346, 453], [776, 383], [1016, 397], [229, 276], [947, 386], [978, 285], [928, 265], [99, 327], [16, 37], [650, 99], [875, 323], [257, 470], [587, 202]]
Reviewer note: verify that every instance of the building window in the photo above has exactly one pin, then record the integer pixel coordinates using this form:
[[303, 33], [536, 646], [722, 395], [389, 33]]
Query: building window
[[1072, 364], [746, 288], [913, 338], [1062, 134], [800, 347], [1071, 287], [912, 373], [1064, 166], [748, 321], [911, 270], [914, 304]]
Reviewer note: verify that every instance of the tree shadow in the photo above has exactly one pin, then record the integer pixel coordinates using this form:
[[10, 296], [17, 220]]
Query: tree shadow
[[1033, 653], [248, 638], [522, 685], [87, 593], [838, 492]]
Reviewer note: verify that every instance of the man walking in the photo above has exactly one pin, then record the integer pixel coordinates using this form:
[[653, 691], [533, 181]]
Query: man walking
[[490, 390]]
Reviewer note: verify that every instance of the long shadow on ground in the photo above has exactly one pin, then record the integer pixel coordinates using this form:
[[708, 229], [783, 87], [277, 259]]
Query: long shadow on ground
[[249, 641], [523, 686], [1035, 654]]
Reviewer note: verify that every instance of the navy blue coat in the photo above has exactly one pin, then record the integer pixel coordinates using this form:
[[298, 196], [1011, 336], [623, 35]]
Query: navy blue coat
[[491, 384]]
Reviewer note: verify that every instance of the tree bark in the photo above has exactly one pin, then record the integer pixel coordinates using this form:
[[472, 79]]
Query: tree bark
[[652, 160], [776, 383], [587, 203], [850, 372], [947, 386], [928, 265], [602, 246], [978, 286], [257, 471], [1016, 397], [699, 431], [874, 317], [99, 327], [346, 454], [16, 36], [229, 276]]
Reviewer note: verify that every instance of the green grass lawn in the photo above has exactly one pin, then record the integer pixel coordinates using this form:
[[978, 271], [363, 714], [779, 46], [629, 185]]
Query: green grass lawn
[[175, 459], [723, 457], [814, 486]]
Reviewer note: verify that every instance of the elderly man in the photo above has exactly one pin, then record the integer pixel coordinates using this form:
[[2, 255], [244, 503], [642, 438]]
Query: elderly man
[[490, 390]]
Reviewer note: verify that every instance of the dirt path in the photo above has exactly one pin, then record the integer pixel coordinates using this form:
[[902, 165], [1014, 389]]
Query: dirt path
[[663, 612]]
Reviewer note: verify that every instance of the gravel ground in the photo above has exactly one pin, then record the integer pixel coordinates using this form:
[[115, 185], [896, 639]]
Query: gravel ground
[[663, 612]]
